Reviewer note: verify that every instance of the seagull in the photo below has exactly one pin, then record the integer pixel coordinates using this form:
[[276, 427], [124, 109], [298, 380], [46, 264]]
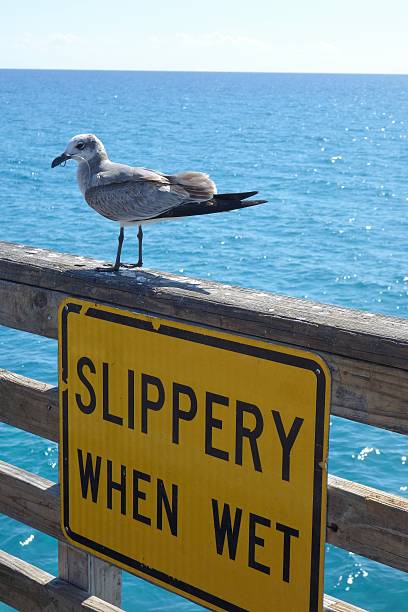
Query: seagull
[[137, 196]]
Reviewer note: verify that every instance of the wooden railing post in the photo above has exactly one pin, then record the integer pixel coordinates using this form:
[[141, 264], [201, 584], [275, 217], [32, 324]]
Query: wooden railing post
[[89, 573]]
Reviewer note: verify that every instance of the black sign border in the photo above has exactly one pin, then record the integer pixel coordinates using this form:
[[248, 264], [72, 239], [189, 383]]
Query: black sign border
[[229, 345]]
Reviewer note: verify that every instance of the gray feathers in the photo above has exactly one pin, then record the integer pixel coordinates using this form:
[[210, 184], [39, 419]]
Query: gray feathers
[[131, 195], [132, 201], [197, 185], [134, 195], [125, 194]]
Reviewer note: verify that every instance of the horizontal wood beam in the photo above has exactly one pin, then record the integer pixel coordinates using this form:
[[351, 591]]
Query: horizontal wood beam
[[361, 519], [30, 499], [46, 276], [364, 392], [369, 393], [332, 604], [29, 404], [368, 522], [28, 588]]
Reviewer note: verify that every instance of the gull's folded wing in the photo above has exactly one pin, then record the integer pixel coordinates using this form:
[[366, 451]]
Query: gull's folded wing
[[133, 200]]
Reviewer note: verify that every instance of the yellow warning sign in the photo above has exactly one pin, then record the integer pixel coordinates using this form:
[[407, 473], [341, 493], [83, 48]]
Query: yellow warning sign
[[194, 458]]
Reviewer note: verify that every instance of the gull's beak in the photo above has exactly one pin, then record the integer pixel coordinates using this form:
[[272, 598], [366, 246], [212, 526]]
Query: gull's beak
[[59, 160]]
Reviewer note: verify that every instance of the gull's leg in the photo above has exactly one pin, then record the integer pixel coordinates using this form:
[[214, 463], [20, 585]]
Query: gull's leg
[[140, 240], [119, 251]]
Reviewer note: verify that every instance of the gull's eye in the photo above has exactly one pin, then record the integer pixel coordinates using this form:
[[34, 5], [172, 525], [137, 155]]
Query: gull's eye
[[80, 146]]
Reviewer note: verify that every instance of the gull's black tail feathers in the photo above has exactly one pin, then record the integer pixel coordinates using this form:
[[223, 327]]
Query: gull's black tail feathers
[[221, 202], [235, 196]]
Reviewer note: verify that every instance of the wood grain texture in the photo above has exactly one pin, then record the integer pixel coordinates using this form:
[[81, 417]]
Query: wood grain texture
[[368, 522], [73, 566], [331, 604], [29, 404], [29, 589], [35, 501], [364, 389], [30, 499], [29, 308], [369, 393], [364, 392], [89, 573], [361, 519], [340, 331]]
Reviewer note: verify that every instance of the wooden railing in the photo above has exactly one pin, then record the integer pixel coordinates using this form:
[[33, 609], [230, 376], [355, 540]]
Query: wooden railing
[[367, 355]]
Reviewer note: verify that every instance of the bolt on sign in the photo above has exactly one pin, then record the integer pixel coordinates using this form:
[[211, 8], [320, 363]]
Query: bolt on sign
[[194, 458]]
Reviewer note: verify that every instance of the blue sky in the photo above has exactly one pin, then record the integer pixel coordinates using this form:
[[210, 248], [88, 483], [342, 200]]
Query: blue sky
[[257, 35]]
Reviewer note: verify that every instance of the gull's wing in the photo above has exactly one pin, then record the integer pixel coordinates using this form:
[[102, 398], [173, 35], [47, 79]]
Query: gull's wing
[[194, 185], [111, 172], [123, 193], [132, 200]]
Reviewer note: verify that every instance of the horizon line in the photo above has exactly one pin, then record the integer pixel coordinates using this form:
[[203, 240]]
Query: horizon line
[[184, 71]]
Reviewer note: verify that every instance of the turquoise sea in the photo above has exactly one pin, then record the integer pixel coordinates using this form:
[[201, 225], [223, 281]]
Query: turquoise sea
[[329, 152]]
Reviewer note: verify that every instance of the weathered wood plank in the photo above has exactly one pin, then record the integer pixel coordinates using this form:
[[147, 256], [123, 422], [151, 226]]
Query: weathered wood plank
[[73, 566], [361, 519], [29, 404], [322, 327], [35, 501], [331, 604], [369, 393], [364, 392], [368, 522], [30, 499], [30, 589], [29, 308], [89, 573]]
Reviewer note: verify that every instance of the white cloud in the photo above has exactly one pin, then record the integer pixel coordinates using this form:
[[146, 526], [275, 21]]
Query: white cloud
[[61, 40], [28, 42], [211, 40]]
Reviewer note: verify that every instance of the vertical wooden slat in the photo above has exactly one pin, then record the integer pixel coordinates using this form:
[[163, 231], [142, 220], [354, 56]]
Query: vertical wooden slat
[[73, 566], [89, 573]]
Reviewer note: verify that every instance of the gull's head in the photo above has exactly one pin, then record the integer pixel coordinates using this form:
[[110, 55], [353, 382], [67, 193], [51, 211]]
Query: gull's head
[[83, 147]]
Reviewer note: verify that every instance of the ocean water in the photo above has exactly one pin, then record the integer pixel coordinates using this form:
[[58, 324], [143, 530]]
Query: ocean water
[[329, 152]]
